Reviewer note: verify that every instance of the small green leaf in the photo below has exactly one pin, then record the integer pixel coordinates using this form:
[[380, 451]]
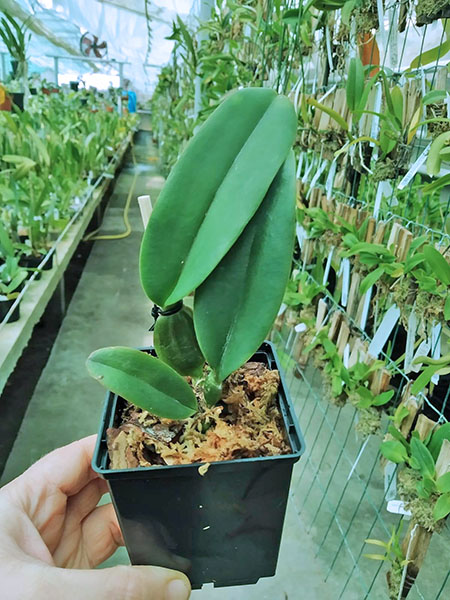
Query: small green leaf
[[370, 279], [442, 507], [330, 112], [383, 398], [434, 159], [423, 380], [355, 83], [439, 265], [394, 451], [443, 483], [375, 556], [447, 309], [144, 381], [425, 487], [423, 456]]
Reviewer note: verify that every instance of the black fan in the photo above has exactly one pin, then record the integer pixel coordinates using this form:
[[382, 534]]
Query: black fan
[[89, 46]]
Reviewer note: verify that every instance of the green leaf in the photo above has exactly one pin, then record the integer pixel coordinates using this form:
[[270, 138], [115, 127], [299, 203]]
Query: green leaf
[[442, 507], [235, 307], [447, 309], [430, 56], [443, 483], [330, 112], [397, 101], [383, 398], [375, 556], [214, 190], [434, 97], [355, 83], [425, 487], [144, 381], [434, 159], [438, 436], [398, 435], [423, 457], [6, 246], [394, 451], [370, 279], [438, 264], [423, 380]]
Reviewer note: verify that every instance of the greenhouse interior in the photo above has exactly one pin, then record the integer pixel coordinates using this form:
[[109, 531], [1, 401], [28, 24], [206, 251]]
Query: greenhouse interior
[[273, 421]]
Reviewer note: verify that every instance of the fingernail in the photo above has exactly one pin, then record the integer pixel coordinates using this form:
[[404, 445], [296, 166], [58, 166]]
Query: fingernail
[[177, 590]]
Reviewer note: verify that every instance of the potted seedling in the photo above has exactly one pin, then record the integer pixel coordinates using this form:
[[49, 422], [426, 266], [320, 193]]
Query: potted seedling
[[12, 277], [198, 445], [16, 38]]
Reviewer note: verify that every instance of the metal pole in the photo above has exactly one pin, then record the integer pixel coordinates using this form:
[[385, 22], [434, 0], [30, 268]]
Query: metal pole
[[4, 74], [121, 75], [55, 68]]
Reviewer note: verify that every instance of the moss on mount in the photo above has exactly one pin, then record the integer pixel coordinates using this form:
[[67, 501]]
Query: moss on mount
[[384, 169], [369, 422], [366, 16], [428, 11]]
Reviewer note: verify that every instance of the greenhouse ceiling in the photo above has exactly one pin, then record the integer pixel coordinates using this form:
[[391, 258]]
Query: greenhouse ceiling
[[134, 31]]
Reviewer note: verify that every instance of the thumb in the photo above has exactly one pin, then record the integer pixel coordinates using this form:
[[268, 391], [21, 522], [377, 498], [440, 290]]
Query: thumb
[[121, 583]]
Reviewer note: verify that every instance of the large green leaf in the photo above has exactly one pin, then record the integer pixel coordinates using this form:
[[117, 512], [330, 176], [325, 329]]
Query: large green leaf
[[355, 83], [214, 190], [394, 451], [235, 307], [439, 265], [144, 381]]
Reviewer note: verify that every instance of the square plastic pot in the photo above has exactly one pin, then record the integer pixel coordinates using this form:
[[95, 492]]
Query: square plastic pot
[[223, 527]]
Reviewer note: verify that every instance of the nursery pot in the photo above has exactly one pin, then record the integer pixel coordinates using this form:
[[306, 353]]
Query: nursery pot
[[223, 527], [5, 306], [33, 262], [74, 86], [18, 99]]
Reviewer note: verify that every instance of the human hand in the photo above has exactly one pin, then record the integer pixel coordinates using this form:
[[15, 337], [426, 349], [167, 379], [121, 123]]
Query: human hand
[[53, 534]]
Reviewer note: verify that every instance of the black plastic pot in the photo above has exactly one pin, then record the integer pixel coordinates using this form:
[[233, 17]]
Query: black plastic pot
[[18, 99], [33, 262], [5, 306], [223, 527], [74, 85]]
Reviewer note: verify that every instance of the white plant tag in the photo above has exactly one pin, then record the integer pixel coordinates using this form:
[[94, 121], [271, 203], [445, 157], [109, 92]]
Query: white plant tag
[[346, 356], [318, 173], [308, 170], [330, 179], [328, 266], [390, 480], [345, 266], [397, 507], [374, 130], [366, 307], [329, 53], [410, 338], [384, 189], [414, 168], [436, 347], [283, 307], [422, 350], [302, 235], [384, 330], [301, 327]]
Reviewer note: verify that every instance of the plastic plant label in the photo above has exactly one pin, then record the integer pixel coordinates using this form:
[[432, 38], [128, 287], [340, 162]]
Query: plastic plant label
[[374, 131], [328, 266], [436, 347], [308, 170], [365, 310], [422, 350], [283, 308], [345, 267], [384, 189], [384, 330], [300, 327], [410, 338], [397, 507], [317, 174], [414, 168], [346, 356], [302, 235], [390, 481], [330, 179]]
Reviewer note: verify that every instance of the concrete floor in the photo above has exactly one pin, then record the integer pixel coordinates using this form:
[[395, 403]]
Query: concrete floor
[[109, 308]]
